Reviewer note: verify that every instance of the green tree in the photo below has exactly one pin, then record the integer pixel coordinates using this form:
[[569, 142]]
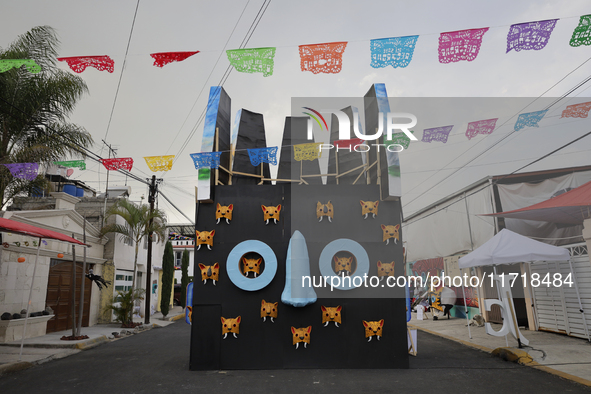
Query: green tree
[[184, 277], [137, 225], [123, 303], [167, 276], [34, 110]]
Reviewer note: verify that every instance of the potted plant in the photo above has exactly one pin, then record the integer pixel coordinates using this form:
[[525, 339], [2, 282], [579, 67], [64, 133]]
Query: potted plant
[[123, 305]]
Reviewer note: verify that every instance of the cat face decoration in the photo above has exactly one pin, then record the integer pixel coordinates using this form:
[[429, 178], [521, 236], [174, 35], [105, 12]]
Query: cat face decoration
[[231, 326], [224, 212], [301, 335], [323, 210], [343, 264], [390, 232], [205, 238], [271, 213], [369, 207], [331, 314], [385, 269], [210, 272], [373, 328], [269, 309], [251, 265]]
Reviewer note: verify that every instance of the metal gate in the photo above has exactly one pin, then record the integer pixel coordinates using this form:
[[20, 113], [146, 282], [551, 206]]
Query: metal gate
[[557, 308]]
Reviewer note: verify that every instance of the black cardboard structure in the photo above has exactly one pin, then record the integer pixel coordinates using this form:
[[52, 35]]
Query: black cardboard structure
[[267, 345]]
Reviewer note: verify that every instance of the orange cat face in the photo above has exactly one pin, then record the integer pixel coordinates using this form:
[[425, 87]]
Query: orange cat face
[[323, 210], [271, 213], [391, 232], [210, 272], [224, 212], [369, 207], [205, 238], [373, 328], [251, 265], [301, 335], [269, 309], [342, 264], [231, 326], [385, 269], [331, 314]]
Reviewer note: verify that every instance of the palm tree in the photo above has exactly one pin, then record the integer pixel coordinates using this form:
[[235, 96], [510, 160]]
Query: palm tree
[[34, 110], [139, 223]]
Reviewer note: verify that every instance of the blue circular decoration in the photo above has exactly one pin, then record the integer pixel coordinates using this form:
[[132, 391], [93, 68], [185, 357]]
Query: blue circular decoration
[[344, 245], [233, 265]]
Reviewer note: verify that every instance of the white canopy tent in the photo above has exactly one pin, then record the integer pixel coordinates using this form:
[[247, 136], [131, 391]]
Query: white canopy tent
[[508, 247]]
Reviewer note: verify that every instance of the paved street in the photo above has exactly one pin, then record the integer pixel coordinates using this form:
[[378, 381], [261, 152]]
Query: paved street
[[157, 361]]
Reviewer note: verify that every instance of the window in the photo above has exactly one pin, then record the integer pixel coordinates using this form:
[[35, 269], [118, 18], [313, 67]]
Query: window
[[145, 242], [177, 261]]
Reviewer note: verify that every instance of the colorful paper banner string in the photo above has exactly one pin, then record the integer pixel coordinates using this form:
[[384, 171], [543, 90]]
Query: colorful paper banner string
[[460, 45], [582, 33], [161, 59], [577, 110], [322, 58], [26, 171], [253, 60], [529, 119], [530, 35], [481, 127], [159, 163], [395, 51], [72, 164], [115, 164], [399, 139], [79, 63], [206, 159], [263, 155], [437, 134], [8, 64], [309, 151], [348, 144]]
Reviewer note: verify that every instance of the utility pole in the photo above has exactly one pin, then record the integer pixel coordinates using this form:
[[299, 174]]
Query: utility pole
[[153, 190], [107, 185]]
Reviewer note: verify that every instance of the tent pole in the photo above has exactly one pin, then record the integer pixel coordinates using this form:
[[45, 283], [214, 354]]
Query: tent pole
[[579, 298], [472, 246], [500, 299], [20, 355], [466, 311]]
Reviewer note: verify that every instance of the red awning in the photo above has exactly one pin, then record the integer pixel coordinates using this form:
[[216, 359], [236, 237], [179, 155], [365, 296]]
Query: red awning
[[572, 207], [12, 226]]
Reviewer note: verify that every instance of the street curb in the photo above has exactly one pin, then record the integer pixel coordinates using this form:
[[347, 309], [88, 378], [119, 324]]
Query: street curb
[[92, 343], [14, 367], [511, 354], [177, 317]]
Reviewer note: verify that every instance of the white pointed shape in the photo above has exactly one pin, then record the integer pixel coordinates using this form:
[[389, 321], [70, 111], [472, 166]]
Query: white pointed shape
[[297, 266]]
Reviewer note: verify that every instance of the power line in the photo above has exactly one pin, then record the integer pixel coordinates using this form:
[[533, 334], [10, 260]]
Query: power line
[[502, 139], [226, 74], [122, 70]]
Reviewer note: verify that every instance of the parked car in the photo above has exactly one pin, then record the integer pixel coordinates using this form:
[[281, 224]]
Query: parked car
[[176, 299]]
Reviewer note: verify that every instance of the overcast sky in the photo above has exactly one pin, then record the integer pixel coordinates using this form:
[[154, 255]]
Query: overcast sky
[[158, 109]]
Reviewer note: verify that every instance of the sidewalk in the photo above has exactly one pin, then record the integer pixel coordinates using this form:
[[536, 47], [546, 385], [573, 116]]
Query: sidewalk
[[559, 354], [50, 347]]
